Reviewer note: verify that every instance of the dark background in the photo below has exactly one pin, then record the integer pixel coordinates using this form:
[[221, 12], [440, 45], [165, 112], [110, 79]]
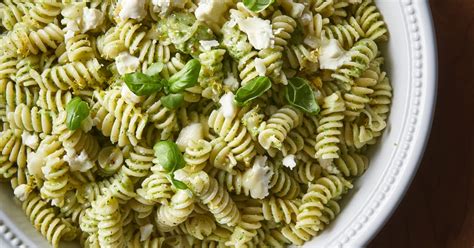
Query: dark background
[[438, 209]]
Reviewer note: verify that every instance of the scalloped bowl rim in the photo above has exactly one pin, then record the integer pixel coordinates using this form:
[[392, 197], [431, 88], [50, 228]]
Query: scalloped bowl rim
[[412, 67]]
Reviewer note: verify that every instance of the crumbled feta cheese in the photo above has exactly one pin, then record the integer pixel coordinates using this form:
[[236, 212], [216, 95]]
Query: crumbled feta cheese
[[258, 31], [329, 166], [133, 9], [126, 63], [207, 45], [192, 132], [22, 191], [165, 6], [79, 162], [30, 140], [35, 161], [332, 55], [91, 19], [306, 18], [231, 82], [212, 11], [129, 96], [260, 67], [289, 161], [294, 9], [145, 231], [227, 105], [257, 179]]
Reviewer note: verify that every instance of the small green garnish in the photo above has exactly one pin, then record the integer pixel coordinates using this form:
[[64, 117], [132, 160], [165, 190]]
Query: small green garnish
[[258, 5], [178, 184], [299, 94], [168, 156], [77, 110], [253, 89], [173, 101], [142, 84], [186, 77]]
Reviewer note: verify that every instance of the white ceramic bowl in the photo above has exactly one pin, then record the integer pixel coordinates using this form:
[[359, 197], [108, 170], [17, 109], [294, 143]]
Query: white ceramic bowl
[[411, 64]]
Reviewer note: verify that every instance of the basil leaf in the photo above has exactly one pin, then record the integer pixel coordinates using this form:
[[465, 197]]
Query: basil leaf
[[155, 69], [178, 184], [77, 110], [258, 5], [299, 94], [173, 101], [168, 155], [141, 84], [253, 89], [186, 77]]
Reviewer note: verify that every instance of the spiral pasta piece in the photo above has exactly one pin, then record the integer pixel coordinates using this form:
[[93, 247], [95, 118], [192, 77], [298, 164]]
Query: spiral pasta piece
[[357, 98], [43, 13], [156, 187], [283, 185], [211, 76], [371, 21], [318, 195], [329, 128], [109, 226], [24, 42], [53, 101], [278, 126], [196, 155], [307, 171], [301, 58], [31, 119], [79, 48], [250, 222], [139, 162], [181, 205], [8, 61], [199, 226], [215, 198], [280, 210], [12, 12], [16, 95]]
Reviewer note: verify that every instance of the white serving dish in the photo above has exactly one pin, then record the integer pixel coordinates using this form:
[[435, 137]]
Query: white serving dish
[[411, 64]]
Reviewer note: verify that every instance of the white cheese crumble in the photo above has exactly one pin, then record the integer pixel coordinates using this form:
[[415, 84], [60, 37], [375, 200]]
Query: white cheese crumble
[[289, 161], [332, 55], [35, 161], [231, 82], [126, 63], [133, 9], [129, 96], [258, 31], [294, 9], [257, 179], [22, 191], [192, 132], [145, 231], [87, 124], [329, 166], [260, 67], [227, 105], [207, 45], [165, 6], [30, 140], [212, 11], [91, 19], [77, 162]]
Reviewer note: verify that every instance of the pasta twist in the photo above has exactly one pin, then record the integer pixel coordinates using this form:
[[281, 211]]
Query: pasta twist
[[278, 126], [119, 186], [280, 210], [331, 209], [283, 185], [141, 206], [24, 42], [44, 218], [89, 222], [297, 235], [362, 53], [152, 51], [215, 198], [307, 171], [54, 101], [318, 195], [79, 48], [24, 68], [31, 119], [196, 155], [110, 45], [74, 75], [211, 76], [232, 131], [346, 33], [12, 151], [352, 164], [156, 187], [43, 13], [358, 96], [16, 95], [299, 57], [250, 222], [12, 12], [139, 163], [162, 118], [8, 61], [176, 211], [72, 209], [371, 21], [199, 226], [109, 226], [131, 34]]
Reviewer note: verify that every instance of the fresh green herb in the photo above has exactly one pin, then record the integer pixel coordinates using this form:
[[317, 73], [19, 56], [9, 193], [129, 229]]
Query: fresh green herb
[[77, 110], [258, 5], [178, 184], [155, 69], [253, 89], [168, 156], [142, 84], [299, 94], [186, 77], [173, 101]]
